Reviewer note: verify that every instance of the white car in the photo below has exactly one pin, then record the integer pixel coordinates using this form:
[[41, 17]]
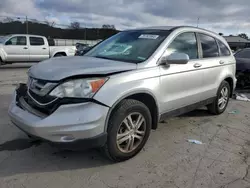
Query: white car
[[30, 48], [114, 100]]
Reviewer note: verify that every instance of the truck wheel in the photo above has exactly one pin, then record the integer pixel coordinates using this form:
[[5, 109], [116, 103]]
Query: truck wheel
[[128, 130], [59, 55], [220, 103], [1, 62]]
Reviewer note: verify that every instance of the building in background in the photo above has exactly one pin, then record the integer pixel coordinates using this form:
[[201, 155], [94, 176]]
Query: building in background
[[237, 42]]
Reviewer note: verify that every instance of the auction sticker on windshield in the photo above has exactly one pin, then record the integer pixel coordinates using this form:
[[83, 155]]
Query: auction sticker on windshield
[[147, 36]]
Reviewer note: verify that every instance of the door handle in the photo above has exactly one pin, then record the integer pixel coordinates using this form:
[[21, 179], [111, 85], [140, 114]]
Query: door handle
[[222, 62], [197, 65], [25, 48], [44, 48]]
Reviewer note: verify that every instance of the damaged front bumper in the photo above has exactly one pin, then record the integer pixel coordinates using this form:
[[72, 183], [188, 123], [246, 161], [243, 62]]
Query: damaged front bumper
[[69, 123]]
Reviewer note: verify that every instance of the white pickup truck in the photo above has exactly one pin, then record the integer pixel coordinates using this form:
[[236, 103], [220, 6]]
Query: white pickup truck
[[30, 48]]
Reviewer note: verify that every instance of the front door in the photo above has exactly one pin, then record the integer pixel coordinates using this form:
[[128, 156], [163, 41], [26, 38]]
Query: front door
[[180, 84], [16, 49]]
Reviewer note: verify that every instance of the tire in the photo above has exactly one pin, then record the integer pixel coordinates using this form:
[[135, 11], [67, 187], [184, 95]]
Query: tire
[[215, 108], [59, 55], [116, 127], [1, 61], [33, 139]]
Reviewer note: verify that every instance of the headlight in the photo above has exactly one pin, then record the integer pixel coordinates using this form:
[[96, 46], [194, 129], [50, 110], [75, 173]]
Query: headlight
[[80, 88]]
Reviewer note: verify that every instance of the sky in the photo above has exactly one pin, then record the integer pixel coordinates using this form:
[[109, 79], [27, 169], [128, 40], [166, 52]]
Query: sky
[[225, 16]]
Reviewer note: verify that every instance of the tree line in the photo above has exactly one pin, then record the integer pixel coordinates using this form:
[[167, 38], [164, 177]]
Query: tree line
[[74, 31], [242, 35]]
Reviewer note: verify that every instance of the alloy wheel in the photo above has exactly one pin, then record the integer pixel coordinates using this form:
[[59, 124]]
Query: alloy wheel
[[131, 132], [223, 98]]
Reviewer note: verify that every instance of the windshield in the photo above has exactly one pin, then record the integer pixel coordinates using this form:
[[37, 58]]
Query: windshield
[[130, 46], [4, 38]]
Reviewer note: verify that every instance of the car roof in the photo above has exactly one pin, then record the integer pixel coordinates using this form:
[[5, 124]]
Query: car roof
[[158, 28], [183, 27], [172, 28], [27, 35]]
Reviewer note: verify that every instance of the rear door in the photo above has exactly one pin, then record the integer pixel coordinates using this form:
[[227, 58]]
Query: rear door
[[212, 65], [39, 49], [17, 49], [180, 83]]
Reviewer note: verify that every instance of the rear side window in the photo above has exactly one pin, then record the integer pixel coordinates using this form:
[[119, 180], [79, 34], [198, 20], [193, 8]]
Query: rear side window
[[224, 51], [36, 41], [184, 43], [209, 46]]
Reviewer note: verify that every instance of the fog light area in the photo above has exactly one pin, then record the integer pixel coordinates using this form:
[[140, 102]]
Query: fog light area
[[67, 138]]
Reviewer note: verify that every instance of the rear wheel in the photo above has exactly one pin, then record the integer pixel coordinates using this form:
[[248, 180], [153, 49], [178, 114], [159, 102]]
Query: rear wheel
[[128, 130], [220, 103], [59, 55]]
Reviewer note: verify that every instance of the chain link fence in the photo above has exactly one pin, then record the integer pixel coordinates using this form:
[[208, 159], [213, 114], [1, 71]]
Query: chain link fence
[[73, 42], [61, 34]]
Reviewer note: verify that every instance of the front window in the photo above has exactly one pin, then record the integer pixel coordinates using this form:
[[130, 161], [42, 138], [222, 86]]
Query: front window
[[17, 41], [184, 43], [130, 46]]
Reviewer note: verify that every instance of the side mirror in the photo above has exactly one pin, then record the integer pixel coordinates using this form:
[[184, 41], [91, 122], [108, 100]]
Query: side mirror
[[175, 58]]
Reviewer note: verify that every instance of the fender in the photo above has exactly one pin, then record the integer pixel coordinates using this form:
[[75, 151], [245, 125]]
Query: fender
[[3, 55], [59, 51], [68, 50], [141, 91], [227, 73]]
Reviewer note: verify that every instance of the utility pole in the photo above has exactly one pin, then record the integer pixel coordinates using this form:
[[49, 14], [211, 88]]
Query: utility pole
[[27, 26], [85, 33], [198, 19], [97, 33]]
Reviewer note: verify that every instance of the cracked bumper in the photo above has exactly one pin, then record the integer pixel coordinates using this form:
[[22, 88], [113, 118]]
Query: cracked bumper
[[72, 123]]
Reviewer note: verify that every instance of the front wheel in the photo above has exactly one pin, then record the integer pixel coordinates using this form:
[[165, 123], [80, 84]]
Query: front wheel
[[1, 62], [221, 101], [128, 130]]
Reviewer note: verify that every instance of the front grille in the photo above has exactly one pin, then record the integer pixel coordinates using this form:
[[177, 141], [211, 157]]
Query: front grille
[[46, 108], [41, 99], [39, 104], [40, 87], [24, 105]]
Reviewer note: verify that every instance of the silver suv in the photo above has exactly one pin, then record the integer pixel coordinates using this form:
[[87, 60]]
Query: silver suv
[[118, 91]]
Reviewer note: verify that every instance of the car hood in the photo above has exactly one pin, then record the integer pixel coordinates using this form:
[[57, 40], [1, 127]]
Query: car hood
[[59, 68]]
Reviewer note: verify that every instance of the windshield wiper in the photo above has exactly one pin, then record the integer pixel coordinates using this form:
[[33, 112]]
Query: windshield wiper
[[115, 59], [103, 57]]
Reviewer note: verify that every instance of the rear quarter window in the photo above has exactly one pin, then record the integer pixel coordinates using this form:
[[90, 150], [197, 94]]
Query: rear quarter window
[[224, 51]]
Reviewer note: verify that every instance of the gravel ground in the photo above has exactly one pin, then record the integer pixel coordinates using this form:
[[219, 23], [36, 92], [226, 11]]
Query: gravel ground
[[167, 161]]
